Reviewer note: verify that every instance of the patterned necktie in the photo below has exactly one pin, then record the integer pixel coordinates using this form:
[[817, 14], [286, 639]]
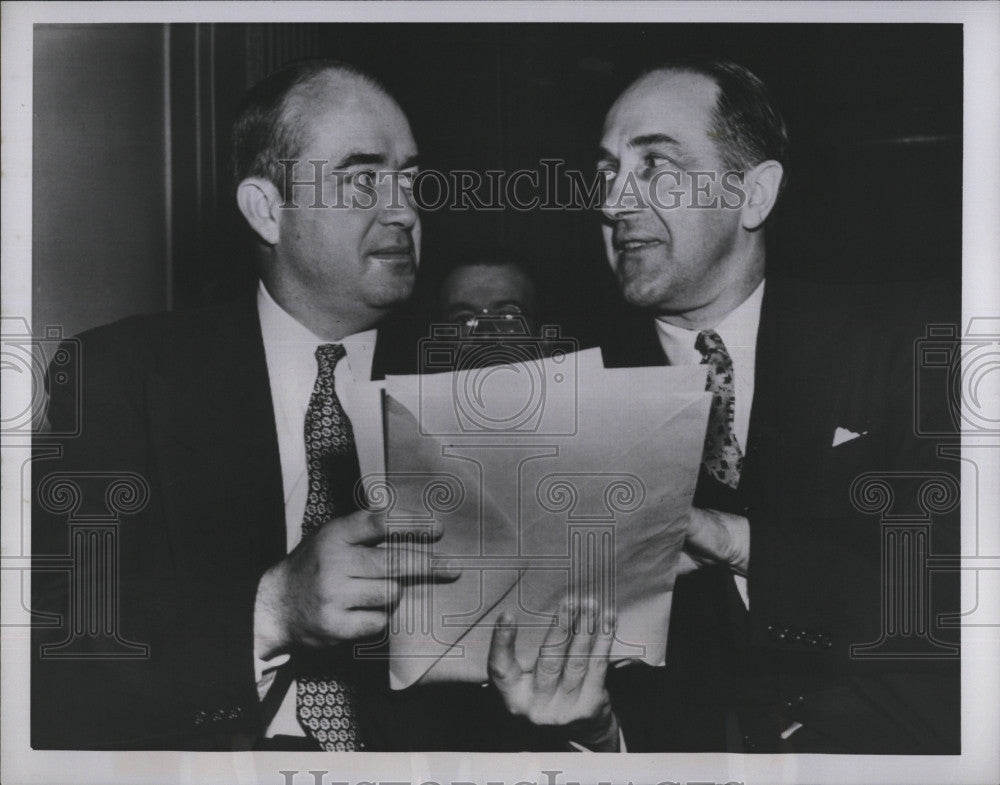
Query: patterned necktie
[[325, 693], [722, 457]]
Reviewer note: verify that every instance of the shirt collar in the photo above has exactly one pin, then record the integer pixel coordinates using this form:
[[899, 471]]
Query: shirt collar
[[292, 344], [738, 330]]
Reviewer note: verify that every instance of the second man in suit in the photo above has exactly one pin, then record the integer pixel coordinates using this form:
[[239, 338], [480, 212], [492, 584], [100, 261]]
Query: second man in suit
[[812, 388]]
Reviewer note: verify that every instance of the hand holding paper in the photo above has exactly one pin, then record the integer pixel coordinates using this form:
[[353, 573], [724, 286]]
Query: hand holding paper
[[716, 538], [566, 686], [548, 479]]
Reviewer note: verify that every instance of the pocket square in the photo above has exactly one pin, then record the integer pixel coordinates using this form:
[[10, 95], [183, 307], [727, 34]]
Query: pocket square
[[842, 435]]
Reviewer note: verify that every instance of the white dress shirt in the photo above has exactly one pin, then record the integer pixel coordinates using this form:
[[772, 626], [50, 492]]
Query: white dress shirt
[[738, 331], [290, 350]]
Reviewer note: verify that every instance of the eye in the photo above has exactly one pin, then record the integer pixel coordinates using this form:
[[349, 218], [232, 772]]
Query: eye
[[655, 160], [362, 177], [606, 171]]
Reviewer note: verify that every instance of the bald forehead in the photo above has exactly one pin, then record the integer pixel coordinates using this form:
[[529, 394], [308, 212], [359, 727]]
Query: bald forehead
[[333, 89], [347, 120], [666, 90]]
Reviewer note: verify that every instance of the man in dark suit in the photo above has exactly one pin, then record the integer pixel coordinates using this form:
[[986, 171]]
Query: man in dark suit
[[812, 388], [223, 609]]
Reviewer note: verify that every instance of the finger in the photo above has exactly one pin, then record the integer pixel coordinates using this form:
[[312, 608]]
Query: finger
[[418, 565], [361, 528], [355, 625], [397, 562], [416, 533], [597, 665], [373, 594], [502, 666], [367, 527], [580, 645], [552, 654]]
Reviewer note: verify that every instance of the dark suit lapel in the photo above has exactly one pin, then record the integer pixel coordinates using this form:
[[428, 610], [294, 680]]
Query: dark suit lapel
[[798, 378], [214, 436], [634, 345]]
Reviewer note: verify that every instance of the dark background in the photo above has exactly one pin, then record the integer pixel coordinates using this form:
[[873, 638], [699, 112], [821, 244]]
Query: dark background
[[874, 113]]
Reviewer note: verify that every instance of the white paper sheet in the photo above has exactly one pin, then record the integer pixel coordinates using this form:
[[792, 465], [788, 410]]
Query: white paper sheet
[[587, 495]]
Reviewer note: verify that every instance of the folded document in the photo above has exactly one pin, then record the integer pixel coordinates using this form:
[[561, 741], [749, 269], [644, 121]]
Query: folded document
[[550, 478]]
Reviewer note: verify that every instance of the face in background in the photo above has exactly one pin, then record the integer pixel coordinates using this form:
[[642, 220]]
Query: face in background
[[493, 291], [357, 260], [679, 260]]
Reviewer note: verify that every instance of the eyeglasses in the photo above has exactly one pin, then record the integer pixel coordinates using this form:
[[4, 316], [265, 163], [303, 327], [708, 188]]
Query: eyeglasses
[[507, 319]]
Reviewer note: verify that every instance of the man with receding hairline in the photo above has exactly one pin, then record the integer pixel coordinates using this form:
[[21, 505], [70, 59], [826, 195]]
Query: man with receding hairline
[[811, 388], [255, 568]]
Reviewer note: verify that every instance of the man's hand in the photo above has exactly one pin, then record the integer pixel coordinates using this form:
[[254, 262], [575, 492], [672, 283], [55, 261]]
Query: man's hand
[[566, 687], [715, 537], [337, 585]]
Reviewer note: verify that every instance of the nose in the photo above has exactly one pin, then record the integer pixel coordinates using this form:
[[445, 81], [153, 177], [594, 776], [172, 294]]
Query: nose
[[397, 205], [617, 202]]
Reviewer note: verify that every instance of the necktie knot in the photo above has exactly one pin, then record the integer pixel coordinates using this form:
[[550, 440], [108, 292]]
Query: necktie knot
[[327, 357], [711, 346]]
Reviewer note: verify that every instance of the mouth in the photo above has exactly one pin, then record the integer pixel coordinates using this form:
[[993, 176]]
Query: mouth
[[394, 253], [633, 243]]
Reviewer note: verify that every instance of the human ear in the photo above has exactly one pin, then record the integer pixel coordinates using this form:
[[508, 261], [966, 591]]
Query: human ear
[[259, 201], [762, 184]]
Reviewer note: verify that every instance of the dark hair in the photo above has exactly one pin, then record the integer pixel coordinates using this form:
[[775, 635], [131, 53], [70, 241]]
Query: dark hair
[[485, 256], [268, 128], [476, 255], [748, 128]]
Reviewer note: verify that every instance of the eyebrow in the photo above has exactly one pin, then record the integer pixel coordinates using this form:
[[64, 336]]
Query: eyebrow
[[645, 140], [650, 139], [356, 158], [359, 158]]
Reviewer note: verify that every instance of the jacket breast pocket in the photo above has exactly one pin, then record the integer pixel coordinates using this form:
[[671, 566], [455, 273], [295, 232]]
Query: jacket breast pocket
[[837, 468]]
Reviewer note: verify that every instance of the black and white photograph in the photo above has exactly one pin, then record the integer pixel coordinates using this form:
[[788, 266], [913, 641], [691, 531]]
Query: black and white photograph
[[471, 392]]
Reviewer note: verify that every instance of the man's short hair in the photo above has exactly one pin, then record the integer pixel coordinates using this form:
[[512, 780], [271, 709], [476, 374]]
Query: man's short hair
[[269, 127], [486, 256], [748, 128]]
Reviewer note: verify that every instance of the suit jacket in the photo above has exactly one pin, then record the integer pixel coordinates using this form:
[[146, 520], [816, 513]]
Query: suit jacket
[[828, 358], [182, 401]]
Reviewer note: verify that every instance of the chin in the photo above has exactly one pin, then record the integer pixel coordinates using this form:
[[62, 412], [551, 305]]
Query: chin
[[391, 294], [643, 294]]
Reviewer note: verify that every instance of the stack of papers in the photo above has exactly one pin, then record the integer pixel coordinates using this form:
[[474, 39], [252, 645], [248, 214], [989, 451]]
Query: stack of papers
[[550, 478]]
